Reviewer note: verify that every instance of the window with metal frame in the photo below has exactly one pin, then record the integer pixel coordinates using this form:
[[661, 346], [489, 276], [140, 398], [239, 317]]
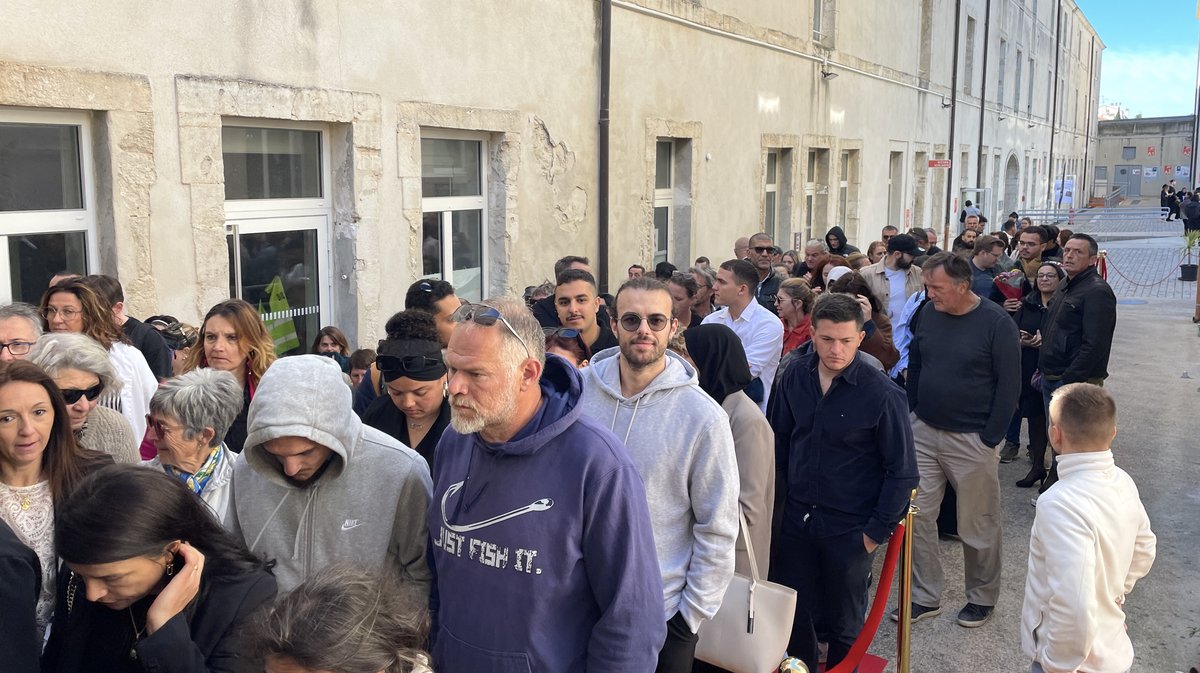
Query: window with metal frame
[[454, 210], [47, 200]]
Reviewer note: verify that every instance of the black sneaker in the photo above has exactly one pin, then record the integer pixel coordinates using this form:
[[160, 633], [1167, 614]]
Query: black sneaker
[[973, 616], [1010, 452], [919, 612]]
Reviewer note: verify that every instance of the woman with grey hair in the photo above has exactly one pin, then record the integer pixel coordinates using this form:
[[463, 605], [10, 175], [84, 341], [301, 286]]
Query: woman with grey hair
[[83, 370], [189, 416]]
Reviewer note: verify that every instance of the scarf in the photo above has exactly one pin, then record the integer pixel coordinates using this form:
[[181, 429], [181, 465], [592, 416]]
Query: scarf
[[201, 477]]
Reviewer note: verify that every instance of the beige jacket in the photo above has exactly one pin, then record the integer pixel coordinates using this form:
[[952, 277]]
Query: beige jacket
[[754, 446], [878, 282]]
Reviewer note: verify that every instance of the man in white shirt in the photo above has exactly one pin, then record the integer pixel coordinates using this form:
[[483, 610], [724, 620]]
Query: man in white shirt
[[760, 331], [894, 278], [1091, 541]]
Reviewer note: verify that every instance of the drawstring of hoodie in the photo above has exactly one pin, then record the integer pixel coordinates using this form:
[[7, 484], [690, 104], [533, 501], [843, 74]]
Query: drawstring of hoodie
[[269, 520], [629, 428], [312, 495]]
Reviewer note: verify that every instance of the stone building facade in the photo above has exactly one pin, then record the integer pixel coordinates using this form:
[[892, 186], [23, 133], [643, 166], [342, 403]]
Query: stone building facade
[[317, 157]]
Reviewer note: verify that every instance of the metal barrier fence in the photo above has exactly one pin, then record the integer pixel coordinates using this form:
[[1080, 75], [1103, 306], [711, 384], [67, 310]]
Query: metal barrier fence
[[1079, 216]]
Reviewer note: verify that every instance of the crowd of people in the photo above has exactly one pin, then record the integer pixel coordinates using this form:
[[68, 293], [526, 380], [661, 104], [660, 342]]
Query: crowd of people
[[567, 482]]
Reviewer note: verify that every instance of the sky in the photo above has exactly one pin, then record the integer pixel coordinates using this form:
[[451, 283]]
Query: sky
[[1149, 61]]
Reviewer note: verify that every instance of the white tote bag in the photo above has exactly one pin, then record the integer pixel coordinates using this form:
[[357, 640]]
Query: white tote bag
[[750, 632]]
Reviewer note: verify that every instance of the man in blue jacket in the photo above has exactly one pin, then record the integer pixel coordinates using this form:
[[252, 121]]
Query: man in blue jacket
[[844, 443], [541, 545]]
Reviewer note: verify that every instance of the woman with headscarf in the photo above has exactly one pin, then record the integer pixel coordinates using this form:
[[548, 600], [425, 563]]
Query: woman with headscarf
[[414, 408], [724, 373]]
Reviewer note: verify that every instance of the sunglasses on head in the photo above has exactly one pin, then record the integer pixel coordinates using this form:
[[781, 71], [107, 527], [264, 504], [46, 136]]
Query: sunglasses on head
[[72, 395], [632, 322], [410, 363], [568, 333], [482, 314]]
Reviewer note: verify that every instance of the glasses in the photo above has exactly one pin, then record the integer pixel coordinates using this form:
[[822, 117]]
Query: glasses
[[67, 313], [482, 314], [408, 364], [16, 347], [1047, 276], [161, 429], [780, 299], [72, 395], [632, 322], [763, 249]]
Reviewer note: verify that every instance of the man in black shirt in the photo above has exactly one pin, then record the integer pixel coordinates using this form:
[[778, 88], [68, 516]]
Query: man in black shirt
[[963, 383], [579, 309], [143, 337]]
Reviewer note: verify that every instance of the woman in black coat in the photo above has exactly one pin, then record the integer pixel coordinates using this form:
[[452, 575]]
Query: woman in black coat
[[20, 585], [1030, 318], [155, 583]]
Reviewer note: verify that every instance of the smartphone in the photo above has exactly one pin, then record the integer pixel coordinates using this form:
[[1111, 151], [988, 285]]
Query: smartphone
[[1026, 335]]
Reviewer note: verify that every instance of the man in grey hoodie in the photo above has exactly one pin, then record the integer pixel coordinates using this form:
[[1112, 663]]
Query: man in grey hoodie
[[314, 486], [681, 443]]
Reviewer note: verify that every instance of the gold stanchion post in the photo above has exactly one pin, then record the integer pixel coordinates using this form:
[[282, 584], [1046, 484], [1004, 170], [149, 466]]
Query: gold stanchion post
[[903, 644]]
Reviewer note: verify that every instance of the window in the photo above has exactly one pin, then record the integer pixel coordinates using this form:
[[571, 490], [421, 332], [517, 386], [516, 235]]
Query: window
[[920, 187], [843, 188], [895, 188], [1029, 98], [47, 203], [664, 151], [816, 192], [969, 73], [277, 218], [454, 211], [1128, 153], [771, 194], [1017, 83], [1000, 73], [818, 25]]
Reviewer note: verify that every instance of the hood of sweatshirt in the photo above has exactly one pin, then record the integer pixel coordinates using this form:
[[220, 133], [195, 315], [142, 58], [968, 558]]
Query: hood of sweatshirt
[[561, 387], [839, 234], [301, 396]]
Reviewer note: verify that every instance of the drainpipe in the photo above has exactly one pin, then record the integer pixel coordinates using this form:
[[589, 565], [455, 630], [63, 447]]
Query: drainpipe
[[952, 151], [1054, 105], [602, 207], [987, 20], [1087, 130]]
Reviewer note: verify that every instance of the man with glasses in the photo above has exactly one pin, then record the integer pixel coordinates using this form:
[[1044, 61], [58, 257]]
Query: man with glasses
[[760, 330], [888, 232], [541, 545], [578, 306], [680, 440], [762, 255], [20, 327], [1030, 243], [895, 278], [315, 486]]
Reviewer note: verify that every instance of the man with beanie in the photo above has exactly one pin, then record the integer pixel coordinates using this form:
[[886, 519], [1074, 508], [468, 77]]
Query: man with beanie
[[541, 548], [895, 278], [681, 442], [314, 486]]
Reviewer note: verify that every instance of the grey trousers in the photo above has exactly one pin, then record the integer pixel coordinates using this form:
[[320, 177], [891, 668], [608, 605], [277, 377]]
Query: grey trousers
[[970, 466]]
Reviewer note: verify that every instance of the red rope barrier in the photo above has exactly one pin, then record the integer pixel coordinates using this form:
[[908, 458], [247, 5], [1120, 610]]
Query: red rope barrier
[[859, 649], [1137, 284]]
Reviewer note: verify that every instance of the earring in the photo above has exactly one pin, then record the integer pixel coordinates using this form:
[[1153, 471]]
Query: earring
[[445, 390], [170, 567]]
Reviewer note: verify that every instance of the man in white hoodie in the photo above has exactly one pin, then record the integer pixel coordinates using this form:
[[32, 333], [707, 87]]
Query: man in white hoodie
[[680, 441], [1091, 541], [314, 486]]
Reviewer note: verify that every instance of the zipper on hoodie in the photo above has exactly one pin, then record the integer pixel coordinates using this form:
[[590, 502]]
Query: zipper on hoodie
[[310, 529]]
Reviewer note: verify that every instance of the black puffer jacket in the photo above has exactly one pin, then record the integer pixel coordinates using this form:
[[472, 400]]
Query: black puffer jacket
[[1077, 334]]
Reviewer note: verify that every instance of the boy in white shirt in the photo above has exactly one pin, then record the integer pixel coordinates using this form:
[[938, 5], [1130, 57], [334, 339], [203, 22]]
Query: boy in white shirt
[[1091, 541]]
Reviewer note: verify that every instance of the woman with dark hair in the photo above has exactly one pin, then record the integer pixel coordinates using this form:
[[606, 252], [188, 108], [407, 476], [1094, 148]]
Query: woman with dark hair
[[40, 465], [820, 272], [414, 408], [163, 587], [234, 339], [1030, 318], [73, 306], [724, 373], [878, 327], [344, 620], [332, 342]]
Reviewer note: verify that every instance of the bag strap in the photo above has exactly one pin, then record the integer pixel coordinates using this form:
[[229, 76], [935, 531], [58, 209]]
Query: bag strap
[[749, 546]]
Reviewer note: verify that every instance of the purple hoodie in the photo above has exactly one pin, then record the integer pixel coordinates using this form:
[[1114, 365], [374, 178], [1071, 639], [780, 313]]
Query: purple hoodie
[[541, 547]]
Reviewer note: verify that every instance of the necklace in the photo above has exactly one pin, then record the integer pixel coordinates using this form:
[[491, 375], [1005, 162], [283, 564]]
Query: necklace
[[26, 503], [137, 634]]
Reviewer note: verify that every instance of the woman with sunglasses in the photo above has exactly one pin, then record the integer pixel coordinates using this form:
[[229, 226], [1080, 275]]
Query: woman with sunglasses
[[162, 587], [72, 306], [568, 344], [40, 466], [414, 408], [188, 417], [233, 339], [1030, 318], [83, 371]]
